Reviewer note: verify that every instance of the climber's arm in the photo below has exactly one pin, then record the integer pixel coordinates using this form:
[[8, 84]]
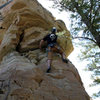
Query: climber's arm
[[41, 43]]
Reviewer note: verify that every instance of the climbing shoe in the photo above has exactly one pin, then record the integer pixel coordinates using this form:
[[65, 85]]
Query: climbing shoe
[[48, 70], [1, 91], [65, 60]]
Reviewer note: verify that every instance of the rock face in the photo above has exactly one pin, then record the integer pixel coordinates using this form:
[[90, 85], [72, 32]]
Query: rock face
[[25, 23], [23, 77], [23, 66]]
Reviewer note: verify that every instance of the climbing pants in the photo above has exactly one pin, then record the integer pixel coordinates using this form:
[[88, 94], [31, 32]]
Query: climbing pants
[[56, 49]]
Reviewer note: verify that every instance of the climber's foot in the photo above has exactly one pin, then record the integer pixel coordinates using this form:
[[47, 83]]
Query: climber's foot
[[48, 70], [1, 91], [65, 60]]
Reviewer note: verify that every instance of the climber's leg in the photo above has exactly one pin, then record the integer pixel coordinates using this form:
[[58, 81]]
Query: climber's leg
[[49, 61], [1, 91], [64, 58], [49, 65], [60, 51]]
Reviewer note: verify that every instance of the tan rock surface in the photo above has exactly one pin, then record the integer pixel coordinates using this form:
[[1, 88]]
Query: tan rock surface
[[32, 22], [25, 80], [23, 66]]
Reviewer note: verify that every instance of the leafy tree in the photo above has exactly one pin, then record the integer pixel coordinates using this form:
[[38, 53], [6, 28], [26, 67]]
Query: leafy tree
[[91, 53], [85, 17]]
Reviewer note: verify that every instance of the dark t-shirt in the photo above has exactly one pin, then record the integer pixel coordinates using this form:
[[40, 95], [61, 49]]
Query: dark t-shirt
[[50, 38]]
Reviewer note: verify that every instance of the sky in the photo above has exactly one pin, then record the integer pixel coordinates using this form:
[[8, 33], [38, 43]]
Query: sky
[[80, 65]]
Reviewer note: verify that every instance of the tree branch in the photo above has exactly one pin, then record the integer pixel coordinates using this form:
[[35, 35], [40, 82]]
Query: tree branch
[[84, 38]]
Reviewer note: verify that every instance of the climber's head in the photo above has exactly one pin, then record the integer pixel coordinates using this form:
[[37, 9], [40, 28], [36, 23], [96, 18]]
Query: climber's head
[[54, 30]]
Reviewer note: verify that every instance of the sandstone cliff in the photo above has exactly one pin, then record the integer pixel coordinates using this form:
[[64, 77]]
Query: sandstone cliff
[[23, 65]]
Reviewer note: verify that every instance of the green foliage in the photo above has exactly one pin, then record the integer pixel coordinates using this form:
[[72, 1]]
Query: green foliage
[[91, 53], [96, 95], [61, 33], [85, 17]]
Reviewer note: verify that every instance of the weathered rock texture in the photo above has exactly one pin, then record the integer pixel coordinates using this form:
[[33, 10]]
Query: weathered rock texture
[[23, 77], [23, 65], [25, 23]]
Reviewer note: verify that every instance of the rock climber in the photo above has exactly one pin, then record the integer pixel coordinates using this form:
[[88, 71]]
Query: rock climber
[[52, 46]]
